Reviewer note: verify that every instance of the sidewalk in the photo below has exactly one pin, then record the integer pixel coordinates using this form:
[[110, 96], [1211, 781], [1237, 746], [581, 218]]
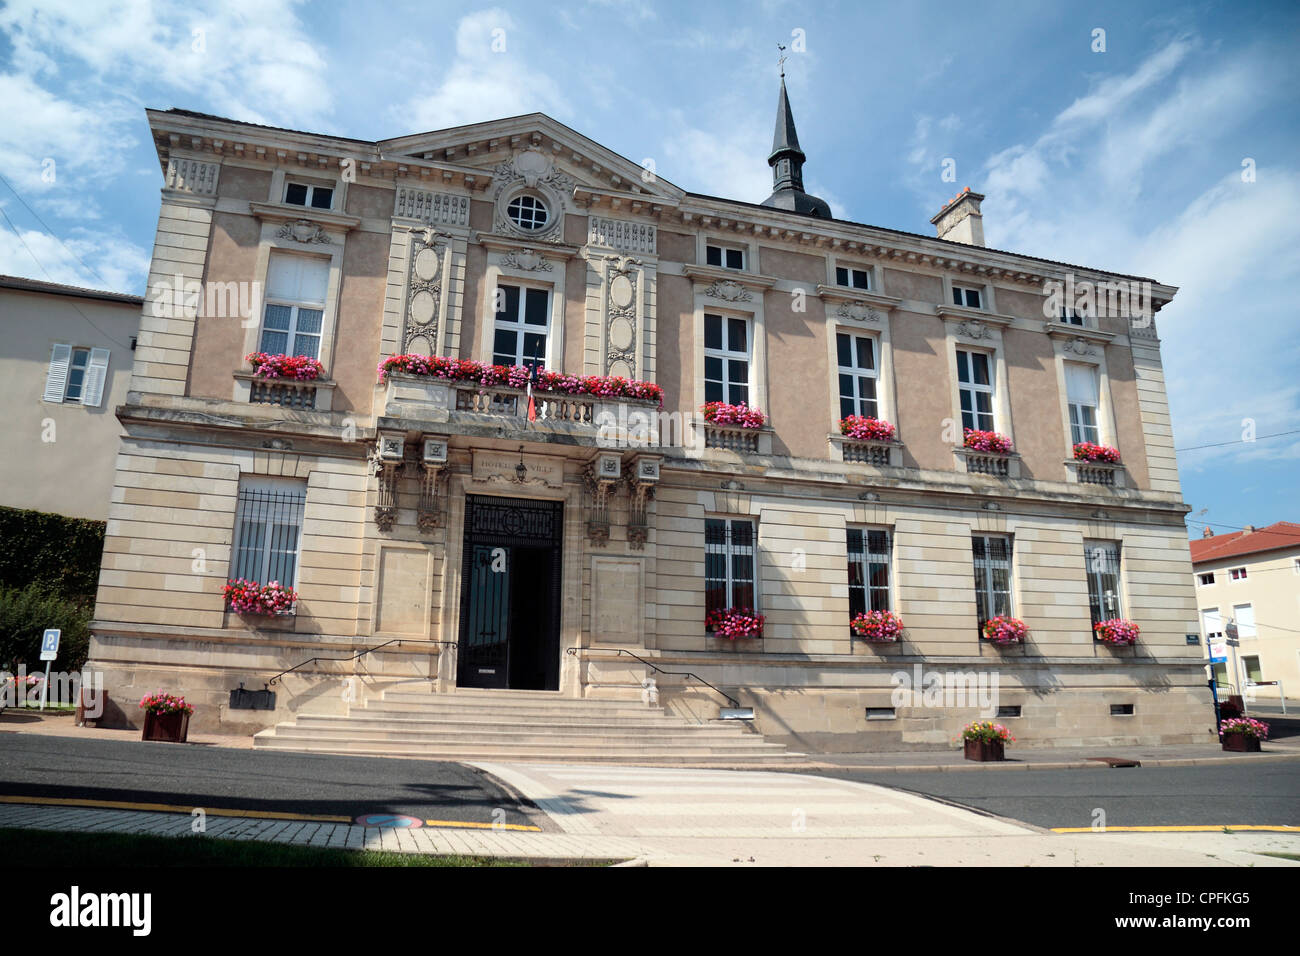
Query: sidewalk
[[1018, 758]]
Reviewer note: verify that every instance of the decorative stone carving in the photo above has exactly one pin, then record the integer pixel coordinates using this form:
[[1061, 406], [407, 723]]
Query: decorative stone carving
[[857, 312], [974, 329], [442, 208], [641, 475], [527, 260], [601, 478], [729, 291], [301, 230], [1079, 346], [431, 492], [191, 176], [539, 173], [423, 291], [621, 234], [622, 275]]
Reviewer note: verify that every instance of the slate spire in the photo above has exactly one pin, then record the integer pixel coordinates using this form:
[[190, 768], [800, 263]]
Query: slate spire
[[787, 161]]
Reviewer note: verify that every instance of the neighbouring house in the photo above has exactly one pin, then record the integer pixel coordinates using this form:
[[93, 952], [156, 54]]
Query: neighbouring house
[[65, 365], [530, 419], [1251, 579]]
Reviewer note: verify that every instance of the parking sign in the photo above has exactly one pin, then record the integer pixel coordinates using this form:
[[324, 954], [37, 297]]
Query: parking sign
[[50, 644]]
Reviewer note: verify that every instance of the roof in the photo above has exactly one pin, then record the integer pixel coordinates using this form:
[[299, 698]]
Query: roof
[[1282, 534], [177, 111], [54, 288]]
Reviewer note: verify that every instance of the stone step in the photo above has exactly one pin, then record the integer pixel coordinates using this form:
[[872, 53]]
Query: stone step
[[514, 710], [542, 737], [454, 722], [677, 755], [482, 719]]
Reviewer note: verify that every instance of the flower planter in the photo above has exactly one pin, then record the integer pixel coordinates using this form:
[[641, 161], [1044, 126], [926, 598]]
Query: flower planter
[[1241, 743], [985, 750], [171, 728]]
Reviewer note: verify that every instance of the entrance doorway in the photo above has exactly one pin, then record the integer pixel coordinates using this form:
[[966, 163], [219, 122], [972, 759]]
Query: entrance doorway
[[510, 594]]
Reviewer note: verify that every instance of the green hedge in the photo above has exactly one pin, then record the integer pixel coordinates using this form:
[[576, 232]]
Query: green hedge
[[60, 554]]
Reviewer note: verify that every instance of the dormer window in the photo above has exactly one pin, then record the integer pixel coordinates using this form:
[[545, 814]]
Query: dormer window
[[304, 194], [728, 257], [528, 212], [964, 295], [852, 278]]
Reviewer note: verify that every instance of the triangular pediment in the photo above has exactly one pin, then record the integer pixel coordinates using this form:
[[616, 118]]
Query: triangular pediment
[[537, 148]]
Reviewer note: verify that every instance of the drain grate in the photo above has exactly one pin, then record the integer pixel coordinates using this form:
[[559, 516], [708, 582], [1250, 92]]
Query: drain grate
[[1117, 761]]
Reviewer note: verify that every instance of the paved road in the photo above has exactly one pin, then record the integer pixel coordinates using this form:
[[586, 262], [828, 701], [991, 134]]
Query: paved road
[[212, 777], [1265, 794]]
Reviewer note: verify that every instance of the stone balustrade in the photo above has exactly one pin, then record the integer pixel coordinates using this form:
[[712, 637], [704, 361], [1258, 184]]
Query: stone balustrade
[[992, 464]]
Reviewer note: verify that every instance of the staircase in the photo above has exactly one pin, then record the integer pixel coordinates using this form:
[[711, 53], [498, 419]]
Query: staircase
[[523, 726]]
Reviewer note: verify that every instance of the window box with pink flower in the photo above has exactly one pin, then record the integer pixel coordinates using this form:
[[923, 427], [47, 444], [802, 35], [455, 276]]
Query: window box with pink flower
[[869, 441], [1117, 632], [289, 381], [1094, 464], [248, 598], [877, 627], [988, 453], [733, 623], [1003, 631], [738, 428]]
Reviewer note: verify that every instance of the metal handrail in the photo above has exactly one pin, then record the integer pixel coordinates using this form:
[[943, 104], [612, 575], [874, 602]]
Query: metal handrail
[[573, 652], [354, 656]]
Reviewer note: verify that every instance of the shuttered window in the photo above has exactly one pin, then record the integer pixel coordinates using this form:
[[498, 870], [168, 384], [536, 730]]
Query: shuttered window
[[76, 375], [295, 305]]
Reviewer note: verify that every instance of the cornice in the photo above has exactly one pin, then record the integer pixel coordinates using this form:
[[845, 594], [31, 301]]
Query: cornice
[[1062, 330], [283, 212], [500, 243], [621, 202], [706, 275], [960, 313], [839, 293]]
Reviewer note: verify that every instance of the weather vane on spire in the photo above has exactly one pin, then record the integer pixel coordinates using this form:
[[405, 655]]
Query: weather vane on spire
[[780, 61]]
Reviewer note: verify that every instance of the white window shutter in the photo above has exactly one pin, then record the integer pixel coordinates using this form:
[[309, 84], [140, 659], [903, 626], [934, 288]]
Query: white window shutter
[[92, 392], [56, 379], [1081, 383]]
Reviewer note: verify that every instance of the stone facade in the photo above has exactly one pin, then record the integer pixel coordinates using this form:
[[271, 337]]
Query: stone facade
[[413, 246]]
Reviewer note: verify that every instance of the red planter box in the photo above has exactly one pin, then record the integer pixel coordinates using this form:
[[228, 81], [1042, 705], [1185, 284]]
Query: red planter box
[[1241, 743], [985, 749], [169, 728]]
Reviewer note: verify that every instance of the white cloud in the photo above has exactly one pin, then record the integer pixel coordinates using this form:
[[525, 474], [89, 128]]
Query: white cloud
[[488, 79], [84, 259]]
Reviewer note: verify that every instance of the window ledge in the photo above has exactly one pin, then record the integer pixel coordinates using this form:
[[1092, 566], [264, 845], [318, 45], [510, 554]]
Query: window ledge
[[705, 275], [313, 395], [1108, 474], [1066, 331], [841, 293], [865, 451], [991, 463], [962, 313]]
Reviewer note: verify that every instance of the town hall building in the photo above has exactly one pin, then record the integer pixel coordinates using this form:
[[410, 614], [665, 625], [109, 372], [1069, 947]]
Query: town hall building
[[525, 419]]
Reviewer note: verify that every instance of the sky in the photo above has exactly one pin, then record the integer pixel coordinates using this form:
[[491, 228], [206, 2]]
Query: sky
[[1154, 140]]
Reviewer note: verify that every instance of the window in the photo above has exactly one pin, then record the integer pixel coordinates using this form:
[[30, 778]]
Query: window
[[295, 304], [1211, 624], [852, 278], [964, 295], [528, 212], [868, 550], [728, 257], [1250, 664], [1081, 393], [992, 554], [726, 359], [729, 579], [975, 387], [1071, 318], [1102, 563], [1238, 574], [268, 531], [857, 369], [76, 376], [302, 194], [1205, 580], [1244, 615], [1121, 710], [523, 316]]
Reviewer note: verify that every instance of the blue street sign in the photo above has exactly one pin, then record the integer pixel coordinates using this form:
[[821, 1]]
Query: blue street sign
[[50, 644]]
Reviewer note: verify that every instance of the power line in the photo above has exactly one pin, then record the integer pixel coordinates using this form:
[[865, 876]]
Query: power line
[[50, 232], [1239, 441]]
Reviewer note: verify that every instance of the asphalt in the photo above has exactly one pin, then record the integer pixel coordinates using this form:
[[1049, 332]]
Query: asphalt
[[123, 771]]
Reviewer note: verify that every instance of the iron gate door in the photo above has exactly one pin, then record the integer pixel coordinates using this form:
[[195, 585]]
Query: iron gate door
[[510, 593]]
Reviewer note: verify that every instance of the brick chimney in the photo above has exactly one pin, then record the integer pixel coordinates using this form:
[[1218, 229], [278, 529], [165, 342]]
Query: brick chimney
[[1207, 533], [960, 219]]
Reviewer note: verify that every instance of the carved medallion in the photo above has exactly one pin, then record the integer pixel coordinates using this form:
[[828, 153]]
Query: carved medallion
[[301, 230], [729, 291]]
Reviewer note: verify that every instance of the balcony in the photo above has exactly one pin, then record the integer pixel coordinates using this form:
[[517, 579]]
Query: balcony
[[589, 418], [1106, 474], [882, 454], [734, 438], [316, 395], [990, 463]]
